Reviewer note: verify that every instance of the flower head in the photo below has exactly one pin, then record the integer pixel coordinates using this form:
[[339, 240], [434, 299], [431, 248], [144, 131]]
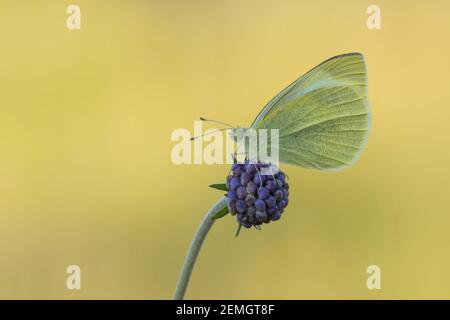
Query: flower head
[[256, 198]]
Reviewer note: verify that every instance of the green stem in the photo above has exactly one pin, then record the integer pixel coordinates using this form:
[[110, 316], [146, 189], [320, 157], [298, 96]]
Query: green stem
[[196, 245]]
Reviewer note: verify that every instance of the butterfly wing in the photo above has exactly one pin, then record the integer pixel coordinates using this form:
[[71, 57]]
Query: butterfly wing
[[323, 117]]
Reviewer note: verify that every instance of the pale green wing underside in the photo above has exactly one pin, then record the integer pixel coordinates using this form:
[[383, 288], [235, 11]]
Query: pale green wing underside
[[323, 118]]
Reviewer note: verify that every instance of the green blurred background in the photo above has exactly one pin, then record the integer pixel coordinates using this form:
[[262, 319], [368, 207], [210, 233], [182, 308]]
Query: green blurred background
[[86, 176]]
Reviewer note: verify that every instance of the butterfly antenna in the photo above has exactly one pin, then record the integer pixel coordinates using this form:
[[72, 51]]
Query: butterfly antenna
[[209, 133], [216, 121]]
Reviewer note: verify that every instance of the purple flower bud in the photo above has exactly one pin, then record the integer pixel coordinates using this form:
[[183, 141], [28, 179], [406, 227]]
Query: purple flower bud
[[245, 178], [272, 211], [231, 196], [270, 202], [278, 183], [257, 179], [252, 187], [251, 211], [263, 193], [232, 208], [270, 185], [260, 205], [234, 183], [246, 224], [250, 169], [237, 168], [261, 216], [279, 195], [250, 199], [228, 181], [241, 192], [241, 207], [276, 216]]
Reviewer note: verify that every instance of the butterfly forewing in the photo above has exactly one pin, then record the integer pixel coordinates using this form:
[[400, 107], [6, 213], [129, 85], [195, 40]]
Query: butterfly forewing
[[323, 118]]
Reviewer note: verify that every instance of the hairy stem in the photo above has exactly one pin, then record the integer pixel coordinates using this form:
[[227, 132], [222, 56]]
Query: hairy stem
[[195, 247]]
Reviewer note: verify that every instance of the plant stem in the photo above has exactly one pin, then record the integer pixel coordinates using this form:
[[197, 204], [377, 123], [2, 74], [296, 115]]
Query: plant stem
[[196, 245]]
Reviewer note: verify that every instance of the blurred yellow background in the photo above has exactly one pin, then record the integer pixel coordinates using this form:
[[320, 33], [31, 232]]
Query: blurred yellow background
[[86, 176]]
